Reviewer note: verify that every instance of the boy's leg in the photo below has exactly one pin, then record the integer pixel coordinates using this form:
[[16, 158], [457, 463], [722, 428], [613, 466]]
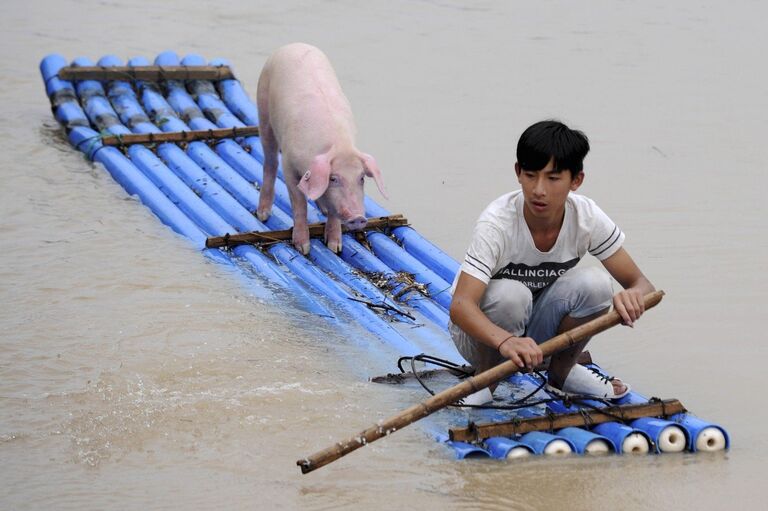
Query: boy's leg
[[508, 304], [580, 295]]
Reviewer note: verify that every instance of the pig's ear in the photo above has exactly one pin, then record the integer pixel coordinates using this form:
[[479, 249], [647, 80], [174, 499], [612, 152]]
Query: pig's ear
[[372, 170], [315, 181]]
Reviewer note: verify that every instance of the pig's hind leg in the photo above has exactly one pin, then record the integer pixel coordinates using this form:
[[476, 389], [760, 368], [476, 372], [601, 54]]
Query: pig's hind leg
[[270, 146]]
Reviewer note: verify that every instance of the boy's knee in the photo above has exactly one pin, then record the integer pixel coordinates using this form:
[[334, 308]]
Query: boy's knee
[[507, 303], [595, 291], [598, 284]]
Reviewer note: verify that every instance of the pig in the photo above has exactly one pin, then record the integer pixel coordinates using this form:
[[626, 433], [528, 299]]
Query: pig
[[304, 114]]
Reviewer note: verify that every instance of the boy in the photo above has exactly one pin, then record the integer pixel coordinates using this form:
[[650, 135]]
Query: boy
[[518, 287]]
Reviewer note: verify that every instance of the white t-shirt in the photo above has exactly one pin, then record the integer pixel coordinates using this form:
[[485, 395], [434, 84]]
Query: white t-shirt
[[502, 246]]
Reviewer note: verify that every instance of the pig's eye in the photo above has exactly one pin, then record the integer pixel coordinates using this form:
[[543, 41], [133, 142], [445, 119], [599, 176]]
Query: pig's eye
[[334, 179]]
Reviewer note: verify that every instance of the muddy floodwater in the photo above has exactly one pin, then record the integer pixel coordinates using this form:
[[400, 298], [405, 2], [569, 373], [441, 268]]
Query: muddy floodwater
[[137, 374]]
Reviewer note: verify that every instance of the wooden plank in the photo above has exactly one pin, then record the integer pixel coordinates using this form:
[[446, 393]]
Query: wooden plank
[[315, 231], [146, 73], [179, 136], [476, 432]]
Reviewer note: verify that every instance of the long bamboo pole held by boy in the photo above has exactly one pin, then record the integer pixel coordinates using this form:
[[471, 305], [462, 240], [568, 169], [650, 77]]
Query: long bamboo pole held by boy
[[449, 396]]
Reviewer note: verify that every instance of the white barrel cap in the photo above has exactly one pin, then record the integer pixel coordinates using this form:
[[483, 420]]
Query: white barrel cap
[[672, 439], [635, 443], [558, 448], [518, 452], [710, 439], [597, 447]]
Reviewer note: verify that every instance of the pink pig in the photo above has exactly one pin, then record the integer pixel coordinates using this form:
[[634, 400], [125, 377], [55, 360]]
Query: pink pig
[[304, 113]]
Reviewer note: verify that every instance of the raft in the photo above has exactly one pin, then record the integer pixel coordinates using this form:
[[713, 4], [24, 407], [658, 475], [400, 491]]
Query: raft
[[181, 135]]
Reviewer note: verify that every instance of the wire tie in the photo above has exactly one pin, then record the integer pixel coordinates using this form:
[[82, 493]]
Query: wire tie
[[551, 418], [587, 418]]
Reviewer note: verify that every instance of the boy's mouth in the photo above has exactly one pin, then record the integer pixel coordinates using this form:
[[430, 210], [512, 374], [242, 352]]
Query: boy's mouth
[[539, 205]]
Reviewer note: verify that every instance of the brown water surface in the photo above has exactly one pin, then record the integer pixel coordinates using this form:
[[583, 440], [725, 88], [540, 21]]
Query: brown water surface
[[135, 374]]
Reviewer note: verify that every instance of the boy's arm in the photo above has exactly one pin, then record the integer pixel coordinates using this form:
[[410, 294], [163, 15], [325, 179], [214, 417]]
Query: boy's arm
[[628, 302], [466, 314]]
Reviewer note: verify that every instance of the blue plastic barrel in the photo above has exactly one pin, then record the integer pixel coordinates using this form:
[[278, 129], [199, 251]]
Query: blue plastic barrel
[[586, 442], [463, 450], [625, 439], [666, 435], [505, 448], [702, 435], [546, 443]]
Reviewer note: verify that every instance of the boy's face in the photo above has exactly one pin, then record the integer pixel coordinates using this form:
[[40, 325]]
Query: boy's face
[[545, 191]]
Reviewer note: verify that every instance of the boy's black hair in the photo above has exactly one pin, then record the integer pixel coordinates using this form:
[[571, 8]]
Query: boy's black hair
[[550, 139]]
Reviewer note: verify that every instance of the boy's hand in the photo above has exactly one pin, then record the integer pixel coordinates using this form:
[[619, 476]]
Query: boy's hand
[[523, 351], [630, 305]]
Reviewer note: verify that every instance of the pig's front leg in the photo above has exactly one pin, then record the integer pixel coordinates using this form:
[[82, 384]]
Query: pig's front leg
[[333, 234], [300, 236]]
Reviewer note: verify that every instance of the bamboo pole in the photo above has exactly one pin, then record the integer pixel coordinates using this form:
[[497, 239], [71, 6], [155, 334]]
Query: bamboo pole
[[146, 73], [315, 230], [179, 136], [473, 384], [475, 432]]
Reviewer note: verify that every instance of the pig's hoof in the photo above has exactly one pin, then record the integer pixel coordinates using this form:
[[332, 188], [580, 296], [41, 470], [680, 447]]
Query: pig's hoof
[[263, 214], [303, 248], [300, 238], [334, 246]]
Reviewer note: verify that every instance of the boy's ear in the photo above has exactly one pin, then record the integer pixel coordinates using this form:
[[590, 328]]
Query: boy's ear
[[577, 181], [517, 170]]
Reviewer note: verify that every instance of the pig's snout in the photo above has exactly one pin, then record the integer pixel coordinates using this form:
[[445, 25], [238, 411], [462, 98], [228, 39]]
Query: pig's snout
[[356, 224]]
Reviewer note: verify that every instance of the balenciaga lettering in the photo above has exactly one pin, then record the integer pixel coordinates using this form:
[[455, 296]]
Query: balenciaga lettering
[[537, 277]]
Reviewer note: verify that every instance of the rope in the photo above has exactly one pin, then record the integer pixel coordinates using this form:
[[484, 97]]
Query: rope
[[514, 405], [586, 417], [55, 76], [89, 152], [382, 305], [583, 401], [441, 291], [655, 399], [551, 416]]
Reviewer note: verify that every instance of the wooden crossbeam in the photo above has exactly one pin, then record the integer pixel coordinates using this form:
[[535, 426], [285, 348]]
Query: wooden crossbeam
[[146, 73], [179, 136], [315, 231], [476, 432]]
